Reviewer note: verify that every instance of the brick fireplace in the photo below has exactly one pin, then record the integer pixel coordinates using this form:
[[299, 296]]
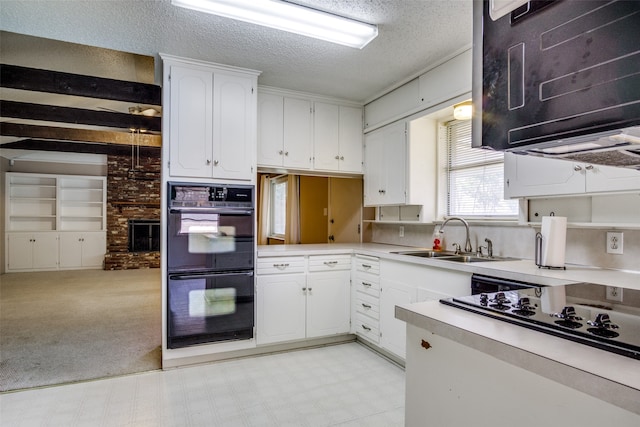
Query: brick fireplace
[[133, 193]]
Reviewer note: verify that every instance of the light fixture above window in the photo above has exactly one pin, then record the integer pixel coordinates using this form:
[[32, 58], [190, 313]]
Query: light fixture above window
[[463, 111], [286, 16]]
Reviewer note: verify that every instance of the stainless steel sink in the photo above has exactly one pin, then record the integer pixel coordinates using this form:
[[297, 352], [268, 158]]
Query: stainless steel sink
[[426, 253], [452, 256]]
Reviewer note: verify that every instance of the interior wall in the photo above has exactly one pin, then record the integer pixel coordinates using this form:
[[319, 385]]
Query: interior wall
[[314, 204]]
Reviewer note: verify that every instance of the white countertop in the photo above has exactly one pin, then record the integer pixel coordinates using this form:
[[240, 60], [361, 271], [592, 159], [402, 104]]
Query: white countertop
[[523, 270], [607, 376]]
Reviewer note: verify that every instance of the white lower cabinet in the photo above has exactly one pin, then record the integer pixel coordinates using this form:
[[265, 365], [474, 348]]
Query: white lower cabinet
[[366, 298], [280, 308], [32, 251], [405, 283], [293, 304], [82, 250]]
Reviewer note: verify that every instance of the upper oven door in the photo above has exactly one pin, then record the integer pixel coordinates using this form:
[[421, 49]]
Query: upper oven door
[[211, 239]]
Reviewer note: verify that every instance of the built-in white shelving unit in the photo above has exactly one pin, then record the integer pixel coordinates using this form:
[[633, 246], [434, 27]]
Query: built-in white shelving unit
[[40, 208]]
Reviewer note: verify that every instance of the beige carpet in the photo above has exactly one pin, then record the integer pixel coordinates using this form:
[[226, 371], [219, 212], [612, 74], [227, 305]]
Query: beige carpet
[[67, 326]]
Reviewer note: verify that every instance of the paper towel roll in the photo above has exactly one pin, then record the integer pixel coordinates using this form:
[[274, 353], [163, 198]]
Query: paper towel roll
[[554, 240], [553, 299]]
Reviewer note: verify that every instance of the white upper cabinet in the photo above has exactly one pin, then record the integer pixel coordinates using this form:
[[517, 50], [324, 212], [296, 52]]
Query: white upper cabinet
[[394, 105], [400, 166], [304, 134], [440, 84], [234, 126], [284, 132], [211, 120], [446, 81], [298, 133], [191, 122], [337, 138], [529, 176], [384, 166]]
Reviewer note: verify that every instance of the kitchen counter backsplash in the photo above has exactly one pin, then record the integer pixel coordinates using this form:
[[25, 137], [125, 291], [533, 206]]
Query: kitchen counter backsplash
[[584, 246]]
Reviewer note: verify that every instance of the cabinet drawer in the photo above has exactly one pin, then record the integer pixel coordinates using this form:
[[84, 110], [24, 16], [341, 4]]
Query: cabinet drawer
[[367, 305], [280, 265], [329, 262], [367, 328], [368, 284], [367, 264]]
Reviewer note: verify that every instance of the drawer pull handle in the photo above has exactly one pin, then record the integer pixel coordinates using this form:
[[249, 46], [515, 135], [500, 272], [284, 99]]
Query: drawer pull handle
[[366, 266], [281, 265], [366, 284], [366, 305], [366, 328], [330, 262]]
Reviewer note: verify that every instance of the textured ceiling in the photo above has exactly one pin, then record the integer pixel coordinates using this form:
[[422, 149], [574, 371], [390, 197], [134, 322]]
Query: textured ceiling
[[413, 35]]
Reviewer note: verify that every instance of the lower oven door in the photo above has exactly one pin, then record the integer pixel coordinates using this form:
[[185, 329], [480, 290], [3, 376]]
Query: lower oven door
[[204, 308]]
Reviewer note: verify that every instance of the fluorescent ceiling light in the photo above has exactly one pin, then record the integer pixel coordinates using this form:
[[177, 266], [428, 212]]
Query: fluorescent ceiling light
[[290, 17]]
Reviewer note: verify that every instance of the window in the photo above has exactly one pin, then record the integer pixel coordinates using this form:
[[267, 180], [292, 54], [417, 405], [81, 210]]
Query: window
[[278, 203], [475, 177]]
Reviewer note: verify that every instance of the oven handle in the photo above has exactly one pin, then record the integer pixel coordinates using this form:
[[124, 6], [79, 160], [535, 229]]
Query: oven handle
[[222, 211], [203, 275]]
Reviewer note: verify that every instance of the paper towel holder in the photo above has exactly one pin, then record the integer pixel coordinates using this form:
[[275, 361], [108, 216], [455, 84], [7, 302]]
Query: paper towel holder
[[538, 254]]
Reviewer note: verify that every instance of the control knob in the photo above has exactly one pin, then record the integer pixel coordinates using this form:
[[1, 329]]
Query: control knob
[[603, 321]]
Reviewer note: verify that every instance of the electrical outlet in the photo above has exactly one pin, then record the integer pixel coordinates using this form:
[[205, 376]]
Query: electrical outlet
[[614, 242], [401, 233], [614, 293]]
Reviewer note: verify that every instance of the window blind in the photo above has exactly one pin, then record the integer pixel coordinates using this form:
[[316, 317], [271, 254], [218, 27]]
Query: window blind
[[475, 177]]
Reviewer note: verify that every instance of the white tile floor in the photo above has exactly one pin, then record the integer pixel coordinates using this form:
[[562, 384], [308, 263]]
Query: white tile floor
[[343, 385]]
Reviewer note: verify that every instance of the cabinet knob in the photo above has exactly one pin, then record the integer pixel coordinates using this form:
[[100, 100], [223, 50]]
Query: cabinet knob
[[208, 161], [215, 163], [341, 157], [577, 168], [304, 289], [337, 157], [310, 289], [280, 152], [286, 153], [589, 167]]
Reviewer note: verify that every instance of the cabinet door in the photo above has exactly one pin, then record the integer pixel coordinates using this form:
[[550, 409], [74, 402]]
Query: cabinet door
[[446, 81], [607, 178], [393, 331], [280, 308], [45, 251], [234, 138], [298, 128], [70, 250], [350, 139], [94, 247], [190, 122], [373, 167], [328, 303], [395, 165], [537, 176], [19, 251], [270, 129], [326, 132]]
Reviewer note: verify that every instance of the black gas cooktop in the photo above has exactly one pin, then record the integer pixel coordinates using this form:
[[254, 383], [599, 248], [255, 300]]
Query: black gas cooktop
[[579, 312]]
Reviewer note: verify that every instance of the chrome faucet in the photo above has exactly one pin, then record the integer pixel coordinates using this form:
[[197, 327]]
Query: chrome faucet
[[467, 245], [489, 247]]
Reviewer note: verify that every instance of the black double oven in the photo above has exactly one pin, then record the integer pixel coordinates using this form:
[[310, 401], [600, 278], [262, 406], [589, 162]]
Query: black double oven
[[210, 263]]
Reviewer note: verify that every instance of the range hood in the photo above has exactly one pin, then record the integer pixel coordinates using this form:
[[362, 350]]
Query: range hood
[[559, 79], [612, 148]]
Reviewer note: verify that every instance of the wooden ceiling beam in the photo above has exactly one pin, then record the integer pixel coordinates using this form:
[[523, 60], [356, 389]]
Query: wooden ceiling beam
[[52, 113], [33, 79], [79, 135]]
